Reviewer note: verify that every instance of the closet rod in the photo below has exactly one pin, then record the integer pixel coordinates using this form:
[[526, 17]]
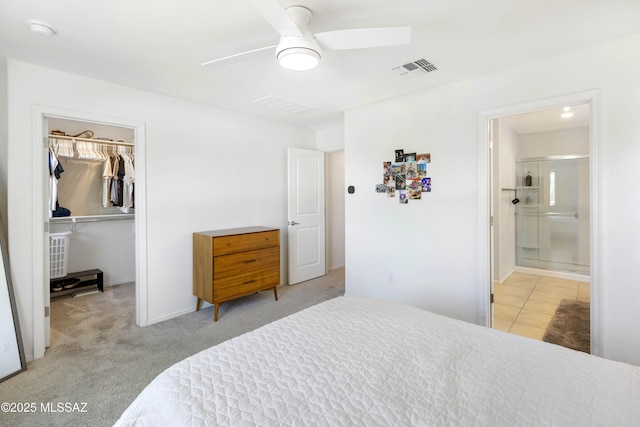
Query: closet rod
[[90, 218], [98, 141]]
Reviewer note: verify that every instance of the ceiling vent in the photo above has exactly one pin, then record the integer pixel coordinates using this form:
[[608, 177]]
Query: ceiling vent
[[283, 105], [415, 68]]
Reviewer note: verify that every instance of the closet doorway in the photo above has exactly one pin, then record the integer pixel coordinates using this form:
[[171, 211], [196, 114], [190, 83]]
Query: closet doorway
[[110, 240], [92, 206]]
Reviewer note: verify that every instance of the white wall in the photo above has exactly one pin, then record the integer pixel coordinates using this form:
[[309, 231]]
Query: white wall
[[553, 143], [74, 127], [330, 139], [433, 247], [206, 169], [107, 245], [4, 131], [334, 166]]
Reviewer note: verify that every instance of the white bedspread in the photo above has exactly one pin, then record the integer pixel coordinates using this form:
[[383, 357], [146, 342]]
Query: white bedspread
[[356, 361]]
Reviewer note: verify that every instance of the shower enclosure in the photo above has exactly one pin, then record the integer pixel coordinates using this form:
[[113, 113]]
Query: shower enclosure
[[552, 215]]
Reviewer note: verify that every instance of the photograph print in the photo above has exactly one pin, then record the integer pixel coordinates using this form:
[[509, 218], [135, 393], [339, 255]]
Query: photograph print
[[424, 158], [411, 170], [426, 185], [399, 171], [403, 198], [422, 170], [387, 175], [399, 156], [386, 168], [409, 157]]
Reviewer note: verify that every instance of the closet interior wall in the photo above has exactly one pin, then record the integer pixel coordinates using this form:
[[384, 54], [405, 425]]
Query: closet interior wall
[[95, 242]]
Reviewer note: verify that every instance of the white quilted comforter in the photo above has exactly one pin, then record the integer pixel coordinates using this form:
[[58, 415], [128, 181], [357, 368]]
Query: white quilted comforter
[[356, 361]]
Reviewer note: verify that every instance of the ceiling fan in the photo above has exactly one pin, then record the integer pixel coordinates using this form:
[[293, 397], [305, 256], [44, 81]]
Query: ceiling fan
[[300, 50]]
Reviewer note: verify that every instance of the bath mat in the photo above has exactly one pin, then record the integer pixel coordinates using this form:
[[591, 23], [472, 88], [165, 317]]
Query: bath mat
[[570, 326]]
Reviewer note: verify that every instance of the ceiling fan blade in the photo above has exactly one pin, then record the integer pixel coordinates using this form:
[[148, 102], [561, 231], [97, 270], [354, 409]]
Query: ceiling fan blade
[[238, 54], [364, 38], [277, 16]]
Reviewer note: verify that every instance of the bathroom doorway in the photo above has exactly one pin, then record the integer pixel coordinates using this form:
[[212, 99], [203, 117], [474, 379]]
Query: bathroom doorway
[[541, 208]]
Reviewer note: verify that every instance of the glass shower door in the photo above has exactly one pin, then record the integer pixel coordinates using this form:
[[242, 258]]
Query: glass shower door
[[527, 213], [553, 228]]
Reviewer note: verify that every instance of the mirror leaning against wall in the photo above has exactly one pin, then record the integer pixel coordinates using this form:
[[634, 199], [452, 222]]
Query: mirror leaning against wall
[[12, 360]]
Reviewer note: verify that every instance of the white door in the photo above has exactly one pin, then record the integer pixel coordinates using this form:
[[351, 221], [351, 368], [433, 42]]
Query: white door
[[306, 224], [492, 237], [45, 214]]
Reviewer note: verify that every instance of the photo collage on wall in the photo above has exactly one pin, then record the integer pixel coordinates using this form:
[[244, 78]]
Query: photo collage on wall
[[407, 176]]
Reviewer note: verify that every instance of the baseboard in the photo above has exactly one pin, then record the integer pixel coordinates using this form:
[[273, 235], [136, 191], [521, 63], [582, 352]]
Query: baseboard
[[556, 274], [500, 281], [336, 267], [172, 315], [121, 282]]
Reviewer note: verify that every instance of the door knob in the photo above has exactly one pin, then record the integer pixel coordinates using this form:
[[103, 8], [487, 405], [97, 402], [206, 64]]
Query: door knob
[[293, 223]]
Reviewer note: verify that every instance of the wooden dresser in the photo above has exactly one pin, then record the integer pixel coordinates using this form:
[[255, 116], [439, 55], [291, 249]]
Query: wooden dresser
[[229, 264]]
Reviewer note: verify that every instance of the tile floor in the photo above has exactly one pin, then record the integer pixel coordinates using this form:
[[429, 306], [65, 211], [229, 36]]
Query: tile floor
[[525, 303]]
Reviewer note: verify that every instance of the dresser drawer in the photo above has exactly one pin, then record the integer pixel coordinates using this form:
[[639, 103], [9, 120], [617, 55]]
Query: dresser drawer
[[245, 262], [245, 283], [245, 242]]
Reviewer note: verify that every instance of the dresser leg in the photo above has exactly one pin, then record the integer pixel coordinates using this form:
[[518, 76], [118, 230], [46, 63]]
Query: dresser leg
[[215, 312], [198, 304], [275, 292]]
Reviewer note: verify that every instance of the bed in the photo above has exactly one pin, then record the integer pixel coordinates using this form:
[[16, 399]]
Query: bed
[[359, 361]]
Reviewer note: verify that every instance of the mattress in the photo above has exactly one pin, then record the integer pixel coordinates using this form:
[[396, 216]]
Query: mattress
[[359, 361]]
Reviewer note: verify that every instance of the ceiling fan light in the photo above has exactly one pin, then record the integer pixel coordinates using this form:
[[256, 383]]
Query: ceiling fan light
[[298, 58], [41, 28]]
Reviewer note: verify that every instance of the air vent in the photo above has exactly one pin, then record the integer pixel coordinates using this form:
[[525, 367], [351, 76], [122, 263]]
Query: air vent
[[415, 68], [283, 105]]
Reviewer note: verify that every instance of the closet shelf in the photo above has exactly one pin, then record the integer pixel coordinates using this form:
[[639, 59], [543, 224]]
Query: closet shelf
[[90, 218], [94, 140], [74, 281]]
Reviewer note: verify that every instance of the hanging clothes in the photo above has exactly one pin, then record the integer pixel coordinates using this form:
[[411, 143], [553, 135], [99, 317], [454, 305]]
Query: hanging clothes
[[128, 181], [121, 173], [117, 172], [107, 174], [62, 147], [55, 169], [115, 181]]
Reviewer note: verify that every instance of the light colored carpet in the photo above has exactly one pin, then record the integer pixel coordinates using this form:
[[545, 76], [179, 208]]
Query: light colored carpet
[[100, 357]]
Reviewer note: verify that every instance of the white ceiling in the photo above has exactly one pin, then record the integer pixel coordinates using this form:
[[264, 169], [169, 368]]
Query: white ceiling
[[549, 120], [158, 46]]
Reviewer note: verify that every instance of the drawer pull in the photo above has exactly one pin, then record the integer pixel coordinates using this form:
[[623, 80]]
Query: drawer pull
[[249, 261], [249, 281]]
